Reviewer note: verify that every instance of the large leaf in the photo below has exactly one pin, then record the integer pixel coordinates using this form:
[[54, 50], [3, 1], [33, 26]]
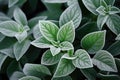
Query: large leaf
[[20, 17], [29, 78], [49, 30], [9, 28], [66, 32], [12, 3], [64, 68], [73, 13], [41, 42], [36, 70], [49, 59], [114, 49], [2, 59], [92, 5], [21, 48], [94, 41], [104, 61], [83, 59], [63, 78], [113, 23]]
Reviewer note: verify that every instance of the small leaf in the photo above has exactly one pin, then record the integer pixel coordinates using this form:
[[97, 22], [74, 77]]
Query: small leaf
[[65, 46], [64, 68], [101, 10], [20, 17], [55, 50], [12, 3], [118, 37], [29, 78], [36, 70], [49, 59], [83, 60], [104, 61], [21, 36], [1, 37], [110, 2], [73, 13], [9, 28], [101, 20], [21, 48], [113, 23], [94, 41], [2, 59], [41, 42], [67, 56], [49, 30], [114, 10], [66, 32], [92, 5], [70, 2]]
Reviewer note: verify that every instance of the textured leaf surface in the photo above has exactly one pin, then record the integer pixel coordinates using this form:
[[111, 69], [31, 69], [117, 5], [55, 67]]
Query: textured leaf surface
[[12, 3], [2, 59], [29, 78]]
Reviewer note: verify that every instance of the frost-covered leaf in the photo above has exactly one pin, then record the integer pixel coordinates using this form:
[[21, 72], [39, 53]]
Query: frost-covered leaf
[[64, 68], [29, 78], [55, 50], [41, 42], [104, 61], [94, 41], [36, 70], [66, 32], [9, 28], [21, 48], [20, 17], [113, 23], [49, 59], [114, 10], [49, 30], [92, 5], [101, 10], [83, 59], [101, 20], [73, 13]]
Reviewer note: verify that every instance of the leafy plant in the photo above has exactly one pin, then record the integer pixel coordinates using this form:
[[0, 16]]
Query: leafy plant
[[63, 40]]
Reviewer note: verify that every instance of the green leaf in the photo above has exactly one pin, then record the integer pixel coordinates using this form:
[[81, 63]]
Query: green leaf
[[66, 32], [21, 48], [64, 68], [41, 42], [69, 57], [2, 59], [101, 10], [17, 75], [36, 32], [55, 1], [65, 46], [9, 28], [34, 21], [63, 78], [36, 70], [20, 17], [114, 49], [55, 50], [94, 41], [83, 59], [49, 59], [118, 37], [92, 5], [113, 23], [117, 60], [70, 2], [73, 13], [104, 61], [29, 78], [21, 36], [12, 3], [114, 10], [89, 73], [49, 30], [101, 20], [1, 37]]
